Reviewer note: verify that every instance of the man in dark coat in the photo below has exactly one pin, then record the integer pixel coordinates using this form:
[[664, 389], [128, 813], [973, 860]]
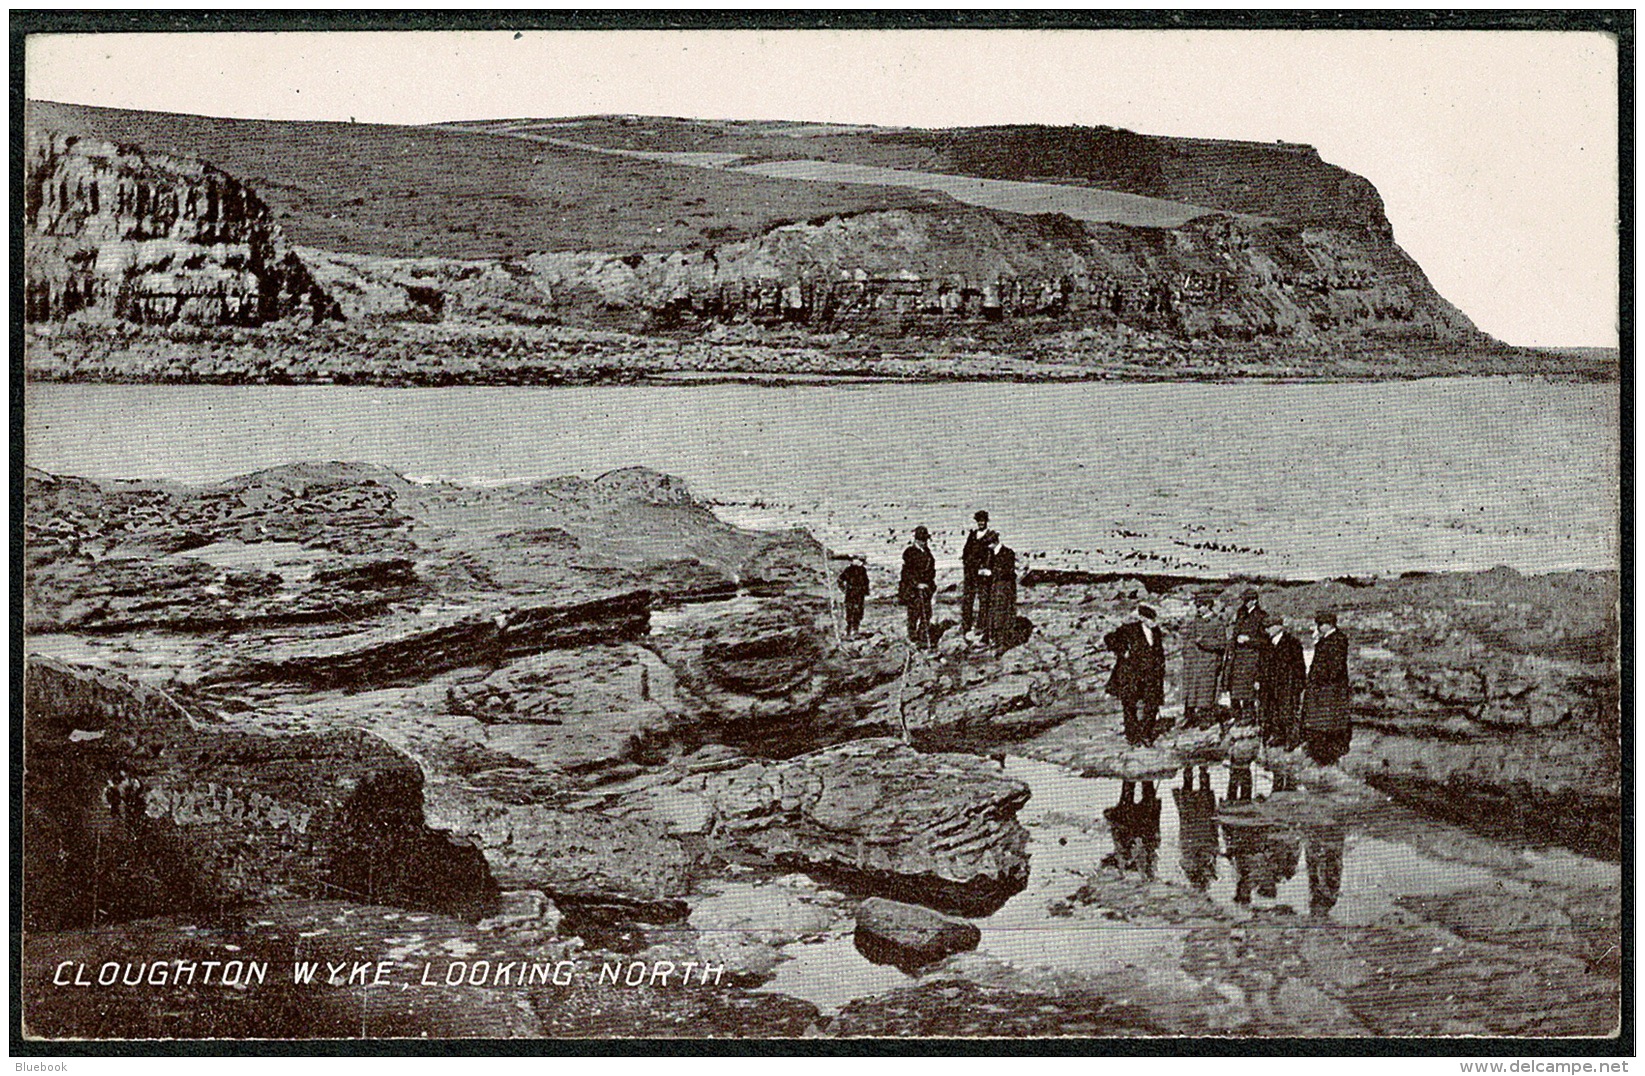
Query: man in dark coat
[[1282, 676], [1001, 626], [1326, 727], [1138, 680], [918, 583], [854, 585], [975, 571], [1247, 642]]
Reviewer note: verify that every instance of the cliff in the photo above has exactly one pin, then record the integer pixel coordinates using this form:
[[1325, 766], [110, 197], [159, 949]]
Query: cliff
[[1003, 237], [114, 232], [1217, 277]]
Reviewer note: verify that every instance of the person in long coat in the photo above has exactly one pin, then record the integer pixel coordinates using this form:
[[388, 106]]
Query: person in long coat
[[1204, 639], [1326, 725], [916, 586], [1247, 640], [854, 585], [1138, 680], [1282, 677], [974, 571], [1002, 599]]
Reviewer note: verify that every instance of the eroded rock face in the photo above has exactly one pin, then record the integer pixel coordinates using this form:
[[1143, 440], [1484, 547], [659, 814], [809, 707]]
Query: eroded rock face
[[774, 679], [592, 864], [300, 544], [937, 829], [114, 232], [574, 710], [1217, 276], [393, 654], [133, 809]]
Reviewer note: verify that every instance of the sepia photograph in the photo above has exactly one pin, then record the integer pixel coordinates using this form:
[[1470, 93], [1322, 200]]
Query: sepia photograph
[[779, 533]]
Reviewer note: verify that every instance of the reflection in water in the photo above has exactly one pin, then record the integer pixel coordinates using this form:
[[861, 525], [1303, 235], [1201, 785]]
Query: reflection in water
[[1325, 850], [1197, 828], [1264, 856], [1135, 826]]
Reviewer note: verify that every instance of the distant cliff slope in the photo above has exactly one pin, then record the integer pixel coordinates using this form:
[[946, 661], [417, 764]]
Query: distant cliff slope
[[1283, 180], [667, 227], [112, 232]]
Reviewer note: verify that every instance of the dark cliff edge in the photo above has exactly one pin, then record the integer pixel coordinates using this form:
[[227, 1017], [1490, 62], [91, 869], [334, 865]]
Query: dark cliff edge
[[361, 253], [134, 808]]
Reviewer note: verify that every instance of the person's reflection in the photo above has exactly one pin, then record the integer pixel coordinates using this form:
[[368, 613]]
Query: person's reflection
[[1135, 827], [1264, 856], [1324, 867], [1197, 827]]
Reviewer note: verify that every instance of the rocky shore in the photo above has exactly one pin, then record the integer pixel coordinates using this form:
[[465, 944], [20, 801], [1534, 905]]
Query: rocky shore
[[325, 713], [491, 353]]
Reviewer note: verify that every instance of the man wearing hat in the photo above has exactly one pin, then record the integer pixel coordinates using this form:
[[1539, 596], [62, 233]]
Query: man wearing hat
[[1247, 641], [1204, 639], [918, 583], [1282, 677], [1138, 680], [1326, 727], [977, 574]]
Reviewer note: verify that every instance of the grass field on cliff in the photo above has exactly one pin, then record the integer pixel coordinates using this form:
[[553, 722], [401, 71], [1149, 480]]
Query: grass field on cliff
[[1281, 181], [499, 189], [418, 191]]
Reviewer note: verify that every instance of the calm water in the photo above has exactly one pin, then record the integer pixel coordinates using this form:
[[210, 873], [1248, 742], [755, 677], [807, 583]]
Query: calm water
[[1300, 480], [1070, 837]]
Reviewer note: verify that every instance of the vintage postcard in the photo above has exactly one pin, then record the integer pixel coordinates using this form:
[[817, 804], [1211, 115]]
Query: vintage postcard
[[772, 533]]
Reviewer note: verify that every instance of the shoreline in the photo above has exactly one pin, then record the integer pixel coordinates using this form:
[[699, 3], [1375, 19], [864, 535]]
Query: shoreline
[[437, 354], [782, 379]]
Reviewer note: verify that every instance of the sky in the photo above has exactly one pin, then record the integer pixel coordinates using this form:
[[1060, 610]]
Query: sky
[[1495, 151]]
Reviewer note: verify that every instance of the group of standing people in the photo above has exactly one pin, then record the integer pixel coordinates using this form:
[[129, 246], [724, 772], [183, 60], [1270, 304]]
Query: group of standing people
[[988, 585], [1260, 664], [988, 589]]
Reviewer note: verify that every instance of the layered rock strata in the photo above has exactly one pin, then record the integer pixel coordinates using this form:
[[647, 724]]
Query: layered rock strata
[[116, 233]]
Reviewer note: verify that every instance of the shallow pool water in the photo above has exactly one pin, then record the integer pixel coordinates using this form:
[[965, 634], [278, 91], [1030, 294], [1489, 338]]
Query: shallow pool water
[[1281, 856]]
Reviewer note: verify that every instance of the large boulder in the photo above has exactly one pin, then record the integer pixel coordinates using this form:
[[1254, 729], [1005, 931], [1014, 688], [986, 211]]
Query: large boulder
[[132, 808], [939, 829], [598, 868], [909, 936]]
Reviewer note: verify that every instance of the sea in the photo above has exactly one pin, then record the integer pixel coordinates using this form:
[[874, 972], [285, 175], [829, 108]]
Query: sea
[[1282, 480]]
